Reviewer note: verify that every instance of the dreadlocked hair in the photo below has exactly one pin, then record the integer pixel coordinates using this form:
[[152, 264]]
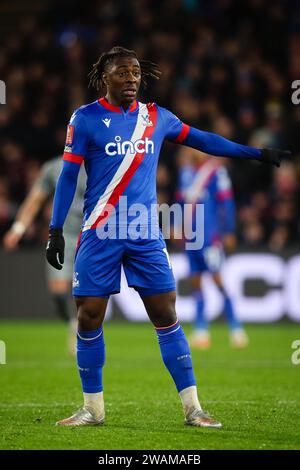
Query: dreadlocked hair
[[148, 69]]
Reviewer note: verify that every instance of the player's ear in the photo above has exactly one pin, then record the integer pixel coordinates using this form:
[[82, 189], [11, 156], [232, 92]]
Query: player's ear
[[104, 78]]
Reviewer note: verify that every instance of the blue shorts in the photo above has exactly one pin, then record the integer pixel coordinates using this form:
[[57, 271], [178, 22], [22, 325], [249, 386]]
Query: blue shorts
[[98, 262], [209, 258]]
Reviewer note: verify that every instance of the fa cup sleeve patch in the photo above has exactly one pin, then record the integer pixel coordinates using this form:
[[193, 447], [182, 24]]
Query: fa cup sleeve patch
[[70, 134]]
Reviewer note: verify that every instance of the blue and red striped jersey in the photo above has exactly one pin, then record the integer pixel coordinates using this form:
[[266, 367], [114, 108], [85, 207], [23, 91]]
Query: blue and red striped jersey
[[209, 184], [120, 151]]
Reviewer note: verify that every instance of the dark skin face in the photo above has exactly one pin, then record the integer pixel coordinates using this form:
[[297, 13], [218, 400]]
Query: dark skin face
[[122, 78]]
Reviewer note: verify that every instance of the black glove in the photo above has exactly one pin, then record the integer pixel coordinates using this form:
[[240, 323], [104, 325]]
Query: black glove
[[273, 156], [55, 251]]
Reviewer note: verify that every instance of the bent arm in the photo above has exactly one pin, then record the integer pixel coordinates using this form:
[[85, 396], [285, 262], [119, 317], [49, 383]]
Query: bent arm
[[30, 207], [214, 144], [25, 215], [64, 193]]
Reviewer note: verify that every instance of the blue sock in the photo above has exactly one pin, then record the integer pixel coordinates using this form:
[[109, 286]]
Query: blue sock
[[176, 355], [91, 359], [201, 322], [233, 321]]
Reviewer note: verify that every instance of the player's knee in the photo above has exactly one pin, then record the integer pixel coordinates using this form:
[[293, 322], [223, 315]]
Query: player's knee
[[88, 317], [195, 282], [90, 312], [164, 315]]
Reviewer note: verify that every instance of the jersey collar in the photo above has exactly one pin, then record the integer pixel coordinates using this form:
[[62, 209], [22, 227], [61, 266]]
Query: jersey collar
[[116, 109]]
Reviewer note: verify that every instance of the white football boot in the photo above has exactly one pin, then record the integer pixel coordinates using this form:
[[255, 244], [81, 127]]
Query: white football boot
[[202, 419], [200, 339], [82, 417], [239, 338]]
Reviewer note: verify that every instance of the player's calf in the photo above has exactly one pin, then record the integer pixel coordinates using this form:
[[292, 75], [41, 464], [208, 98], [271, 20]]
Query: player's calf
[[177, 359]]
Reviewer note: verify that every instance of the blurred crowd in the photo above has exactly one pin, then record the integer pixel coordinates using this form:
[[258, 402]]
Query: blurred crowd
[[227, 67]]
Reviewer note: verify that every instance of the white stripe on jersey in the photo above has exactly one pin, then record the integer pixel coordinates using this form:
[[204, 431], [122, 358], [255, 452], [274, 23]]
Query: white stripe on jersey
[[195, 191], [126, 162]]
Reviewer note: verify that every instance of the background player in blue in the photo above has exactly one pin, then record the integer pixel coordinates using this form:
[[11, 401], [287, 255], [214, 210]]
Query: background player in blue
[[204, 180], [119, 141]]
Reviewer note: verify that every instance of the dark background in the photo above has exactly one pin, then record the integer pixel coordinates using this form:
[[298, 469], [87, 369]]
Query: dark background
[[228, 66]]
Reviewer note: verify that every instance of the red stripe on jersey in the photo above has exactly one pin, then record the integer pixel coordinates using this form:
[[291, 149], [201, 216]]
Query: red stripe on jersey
[[79, 240], [126, 178], [70, 157], [116, 109], [184, 132], [224, 195]]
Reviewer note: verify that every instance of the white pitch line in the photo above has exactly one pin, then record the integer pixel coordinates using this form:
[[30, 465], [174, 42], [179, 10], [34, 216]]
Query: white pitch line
[[250, 364], [35, 405], [207, 362], [58, 404], [42, 364]]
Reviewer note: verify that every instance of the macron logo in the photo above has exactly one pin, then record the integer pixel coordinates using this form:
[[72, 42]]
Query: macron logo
[[106, 121]]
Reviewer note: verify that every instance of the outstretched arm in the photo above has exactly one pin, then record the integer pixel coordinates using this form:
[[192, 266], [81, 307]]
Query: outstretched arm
[[214, 144]]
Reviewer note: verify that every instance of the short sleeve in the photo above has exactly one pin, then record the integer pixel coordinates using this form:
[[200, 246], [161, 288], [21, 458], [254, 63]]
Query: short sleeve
[[76, 139], [47, 179], [175, 129]]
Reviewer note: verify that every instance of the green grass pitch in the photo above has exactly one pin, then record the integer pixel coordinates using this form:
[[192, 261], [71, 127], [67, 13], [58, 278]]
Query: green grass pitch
[[254, 392]]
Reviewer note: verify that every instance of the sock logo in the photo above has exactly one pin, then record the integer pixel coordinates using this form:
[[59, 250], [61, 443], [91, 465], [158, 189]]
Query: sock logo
[[185, 356]]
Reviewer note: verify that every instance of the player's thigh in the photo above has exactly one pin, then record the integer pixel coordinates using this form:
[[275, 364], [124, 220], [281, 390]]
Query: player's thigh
[[218, 280], [195, 281], [97, 267], [214, 258], [148, 268], [197, 267]]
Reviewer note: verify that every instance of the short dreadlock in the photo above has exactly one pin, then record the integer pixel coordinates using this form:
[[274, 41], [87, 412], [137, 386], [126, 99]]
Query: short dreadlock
[[148, 69]]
